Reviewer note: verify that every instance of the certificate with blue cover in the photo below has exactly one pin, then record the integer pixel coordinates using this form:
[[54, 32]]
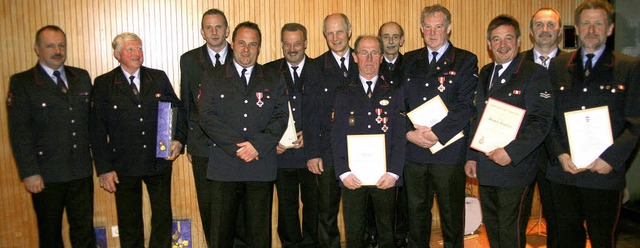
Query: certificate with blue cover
[[181, 233], [166, 128], [101, 236]]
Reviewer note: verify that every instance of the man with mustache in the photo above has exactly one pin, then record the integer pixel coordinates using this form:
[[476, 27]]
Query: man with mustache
[[505, 174], [438, 69], [392, 65], [546, 31], [295, 182], [215, 52], [124, 124], [48, 113], [593, 76], [332, 69]]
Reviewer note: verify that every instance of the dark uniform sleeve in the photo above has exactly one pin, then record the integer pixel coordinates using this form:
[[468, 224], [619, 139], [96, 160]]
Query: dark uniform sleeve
[[20, 129], [339, 133], [99, 129], [397, 156]]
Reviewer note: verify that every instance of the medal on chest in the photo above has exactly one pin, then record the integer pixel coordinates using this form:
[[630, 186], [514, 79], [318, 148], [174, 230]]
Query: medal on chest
[[379, 118], [259, 102], [384, 124], [441, 88]]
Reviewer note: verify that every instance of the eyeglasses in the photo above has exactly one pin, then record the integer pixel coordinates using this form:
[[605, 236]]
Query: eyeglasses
[[367, 53]]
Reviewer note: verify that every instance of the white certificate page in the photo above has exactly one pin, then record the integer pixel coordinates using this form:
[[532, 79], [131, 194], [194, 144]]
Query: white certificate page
[[367, 157], [498, 126], [589, 134], [290, 135], [429, 114]]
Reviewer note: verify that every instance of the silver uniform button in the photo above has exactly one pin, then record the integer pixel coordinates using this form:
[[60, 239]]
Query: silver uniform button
[[73, 121], [144, 146], [246, 101], [326, 90], [139, 105], [44, 104], [244, 129], [115, 106], [73, 134], [70, 108], [368, 126], [142, 133], [40, 153], [75, 146], [582, 107], [424, 98], [294, 97], [368, 113], [584, 90], [141, 119], [245, 115], [293, 109]]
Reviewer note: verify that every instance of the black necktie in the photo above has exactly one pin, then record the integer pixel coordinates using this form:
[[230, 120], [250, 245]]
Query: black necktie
[[295, 74], [494, 79], [432, 64], [588, 65], [544, 60], [342, 65], [390, 66], [218, 60], [369, 92], [243, 77], [134, 88], [60, 82]]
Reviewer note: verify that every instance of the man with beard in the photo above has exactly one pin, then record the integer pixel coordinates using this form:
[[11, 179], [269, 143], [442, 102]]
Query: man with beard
[[593, 76], [215, 52], [505, 174], [48, 113], [438, 69], [123, 139], [392, 65], [294, 179], [332, 69], [545, 30]]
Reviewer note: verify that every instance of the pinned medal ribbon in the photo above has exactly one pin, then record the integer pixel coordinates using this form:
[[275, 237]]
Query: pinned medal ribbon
[[379, 118], [384, 124], [259, 102], [441, 88]]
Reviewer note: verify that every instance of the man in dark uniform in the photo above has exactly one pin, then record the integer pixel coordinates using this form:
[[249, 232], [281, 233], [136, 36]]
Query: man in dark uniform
[[438, 69], [332, 69], [593, 76], [243, 109], [124, 123], [505, 174], [392, 36], [215, 52], [294, 179], [48, 112], [545, 30], [369, 105]]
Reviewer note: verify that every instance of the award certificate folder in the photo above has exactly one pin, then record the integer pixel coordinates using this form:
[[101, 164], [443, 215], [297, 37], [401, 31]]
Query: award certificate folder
[[429, 114], [367, 157], [166, 126], [181, 233], [290, 135], [589, 134], [498, 126]]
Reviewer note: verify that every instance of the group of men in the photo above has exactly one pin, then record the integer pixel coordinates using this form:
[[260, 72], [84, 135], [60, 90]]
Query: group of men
[[233, 113]]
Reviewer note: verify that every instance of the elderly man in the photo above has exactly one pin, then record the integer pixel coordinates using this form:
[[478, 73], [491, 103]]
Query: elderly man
[[593, 76], [51, 141], [123, 138]]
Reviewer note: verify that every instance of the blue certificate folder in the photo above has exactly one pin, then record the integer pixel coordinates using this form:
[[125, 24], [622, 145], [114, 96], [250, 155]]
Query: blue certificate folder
[[166, 128], [101, 237], [181, 233]]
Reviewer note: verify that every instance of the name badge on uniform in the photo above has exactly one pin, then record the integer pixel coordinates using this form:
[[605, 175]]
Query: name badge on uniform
[[259, 102]]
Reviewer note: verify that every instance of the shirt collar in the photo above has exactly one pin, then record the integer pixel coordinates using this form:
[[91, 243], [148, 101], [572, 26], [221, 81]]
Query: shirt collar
[[223, 54], [50, 71]]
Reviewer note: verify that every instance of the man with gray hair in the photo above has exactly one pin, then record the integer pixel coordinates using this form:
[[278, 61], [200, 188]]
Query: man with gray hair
[[123, 138]]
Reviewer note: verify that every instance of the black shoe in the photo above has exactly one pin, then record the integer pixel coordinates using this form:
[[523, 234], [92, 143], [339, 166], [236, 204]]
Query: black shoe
[[401, 243], [373, 241]]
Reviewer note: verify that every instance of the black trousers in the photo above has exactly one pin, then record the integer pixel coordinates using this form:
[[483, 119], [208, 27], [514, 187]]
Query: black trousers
[[599, 208], [129, 205], [548, 209], [421, 181], [355, 216], [328, 207], [77, 197], [503, 213], [255, 198], [291, 183], [203, 192]]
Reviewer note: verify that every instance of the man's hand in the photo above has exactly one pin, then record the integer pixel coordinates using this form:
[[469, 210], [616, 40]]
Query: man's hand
[[280, 149], [567, 164], [34, 184], [190, 158], [315, 166], [246, 152], [176, 146], [470, 169], [108, 181], [499, 156], [299, 143], [386, 181], [351, 182], [419, 136], [600, 166]]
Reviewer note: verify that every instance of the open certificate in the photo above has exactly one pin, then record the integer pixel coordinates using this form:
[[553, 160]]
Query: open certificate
[[290, 135], [589, 134], [498, 126], [429, 114], [367, 157]]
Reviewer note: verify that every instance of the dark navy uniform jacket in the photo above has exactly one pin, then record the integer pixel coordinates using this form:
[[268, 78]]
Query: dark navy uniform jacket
[[525, 85], [193, 64], [355, 114], [613, 82], [48, 129], [293, 158], [458, 69], [318, 106], [123, 129], [393, 75], [229, 114]]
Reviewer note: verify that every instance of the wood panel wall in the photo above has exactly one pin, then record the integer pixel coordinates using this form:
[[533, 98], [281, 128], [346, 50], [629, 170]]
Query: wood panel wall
[[171, 27]]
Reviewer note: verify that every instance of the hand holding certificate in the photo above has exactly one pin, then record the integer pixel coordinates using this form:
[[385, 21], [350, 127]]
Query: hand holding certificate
[[289, 135], [367, 157], [589, 134], [429, 114], [498, 126]]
